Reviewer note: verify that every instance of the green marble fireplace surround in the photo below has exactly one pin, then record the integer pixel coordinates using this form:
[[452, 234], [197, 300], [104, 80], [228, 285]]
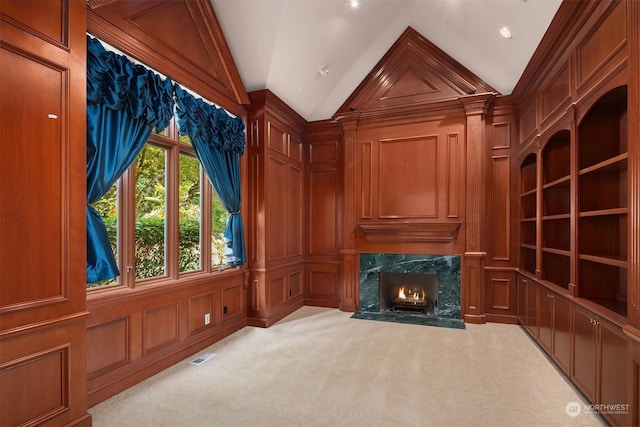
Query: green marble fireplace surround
[[447, 269]]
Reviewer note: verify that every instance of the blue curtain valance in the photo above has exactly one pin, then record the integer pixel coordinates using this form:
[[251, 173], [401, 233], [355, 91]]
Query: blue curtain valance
[[208, 123]]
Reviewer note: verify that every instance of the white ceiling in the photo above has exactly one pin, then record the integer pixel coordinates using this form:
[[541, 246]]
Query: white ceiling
[[281, 45]]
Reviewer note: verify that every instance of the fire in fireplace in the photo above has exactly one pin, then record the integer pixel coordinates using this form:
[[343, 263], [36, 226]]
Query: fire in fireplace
[[409, 292]]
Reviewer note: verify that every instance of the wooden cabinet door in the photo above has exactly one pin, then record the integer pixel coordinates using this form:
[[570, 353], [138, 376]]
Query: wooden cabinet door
[[521, 306], [584, 357], [545, 318], [561, 348], [615, 372], [532, 308]]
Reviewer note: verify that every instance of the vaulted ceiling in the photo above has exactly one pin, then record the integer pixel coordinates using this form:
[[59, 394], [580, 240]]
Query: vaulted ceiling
[[287, 45]]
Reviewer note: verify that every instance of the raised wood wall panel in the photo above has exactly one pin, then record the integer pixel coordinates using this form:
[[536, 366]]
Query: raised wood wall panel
[[277, 138], [277, 204], [323, 209], [323, 281], [160, 327], [500, 295], [408, 174], [295, 284], [366, 176], [501, 135], [500, 208], [556, 93], [198, 307], [232, 302], [606, 39], [277, 291], [31, 228], [453, 194], [49, 371], [295, 205], [323, 152], [102, 358], [528, 124], [295, 149], [49, 19]]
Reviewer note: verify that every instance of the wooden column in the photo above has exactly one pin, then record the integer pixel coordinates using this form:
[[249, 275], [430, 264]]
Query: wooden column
[[477, 175], [350, 269]]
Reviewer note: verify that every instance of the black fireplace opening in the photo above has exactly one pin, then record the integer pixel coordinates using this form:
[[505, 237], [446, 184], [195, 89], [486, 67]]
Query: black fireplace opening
[[409, 293]]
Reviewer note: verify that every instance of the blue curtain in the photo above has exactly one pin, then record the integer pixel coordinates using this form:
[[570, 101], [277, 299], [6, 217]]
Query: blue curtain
[[125, 102], [218, 141]]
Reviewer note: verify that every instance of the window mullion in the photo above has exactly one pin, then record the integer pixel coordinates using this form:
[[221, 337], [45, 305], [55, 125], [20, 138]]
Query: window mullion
[[127, 227], [205, 221], [172, 212]]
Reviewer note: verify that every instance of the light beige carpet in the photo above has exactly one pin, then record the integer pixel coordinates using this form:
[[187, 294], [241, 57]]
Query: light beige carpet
[[319, 367]]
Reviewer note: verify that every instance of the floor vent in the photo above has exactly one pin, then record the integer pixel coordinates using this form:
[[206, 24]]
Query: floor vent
[[202, 358]]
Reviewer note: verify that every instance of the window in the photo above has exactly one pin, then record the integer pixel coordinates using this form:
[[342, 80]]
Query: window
[[163, 218]]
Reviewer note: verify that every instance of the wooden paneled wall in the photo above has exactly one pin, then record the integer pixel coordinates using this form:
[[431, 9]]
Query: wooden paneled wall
[[42, 214], [156, 328], [323, 201], [276, 205]]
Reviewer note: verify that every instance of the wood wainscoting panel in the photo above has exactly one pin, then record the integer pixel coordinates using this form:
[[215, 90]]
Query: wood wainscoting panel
[[556, 93], [49, 20], [408, 177], [323, 152], [276, 204], [501, 136], [34, 388], [198, 308], [232, 302], [322, 284], [277, 291], [607, 39], [295, 284], [366, 179], [160, 327], [501, 295], [528, 124], [277, 139], [500, 208], [454, 154], [323, 211], [103, 358], [295, 148], [295, 202]]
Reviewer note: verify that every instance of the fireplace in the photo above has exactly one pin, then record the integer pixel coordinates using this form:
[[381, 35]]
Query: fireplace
[[383, 275], [409, 292]]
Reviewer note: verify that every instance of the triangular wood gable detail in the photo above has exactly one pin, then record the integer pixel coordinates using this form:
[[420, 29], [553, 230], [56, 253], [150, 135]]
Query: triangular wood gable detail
[[413, 72], [181, 39]]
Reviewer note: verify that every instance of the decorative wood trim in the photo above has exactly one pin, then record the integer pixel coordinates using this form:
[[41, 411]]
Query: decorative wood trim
[[410, 232]]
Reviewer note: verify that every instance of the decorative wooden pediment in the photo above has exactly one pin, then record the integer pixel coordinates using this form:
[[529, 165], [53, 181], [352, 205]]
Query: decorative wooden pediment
[[181, 39], [413, 72]]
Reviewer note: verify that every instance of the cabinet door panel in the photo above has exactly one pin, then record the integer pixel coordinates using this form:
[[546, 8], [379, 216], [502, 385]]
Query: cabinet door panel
[[532, 308], [584, 360], [562, 333], [545, 318], [614, 376]]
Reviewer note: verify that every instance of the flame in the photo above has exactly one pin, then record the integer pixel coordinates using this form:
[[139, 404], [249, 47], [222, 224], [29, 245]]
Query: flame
[[411, 295]]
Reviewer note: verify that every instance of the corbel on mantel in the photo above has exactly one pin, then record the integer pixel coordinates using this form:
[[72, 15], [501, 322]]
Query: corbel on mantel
[[410, 231]]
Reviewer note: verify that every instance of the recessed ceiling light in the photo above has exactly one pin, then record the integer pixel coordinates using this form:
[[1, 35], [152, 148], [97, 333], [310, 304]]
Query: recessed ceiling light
[[505, 32], [323, 72], [354, 3]]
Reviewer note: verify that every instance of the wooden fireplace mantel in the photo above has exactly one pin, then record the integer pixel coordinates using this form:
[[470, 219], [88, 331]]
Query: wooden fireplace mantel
[[410, 231]]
